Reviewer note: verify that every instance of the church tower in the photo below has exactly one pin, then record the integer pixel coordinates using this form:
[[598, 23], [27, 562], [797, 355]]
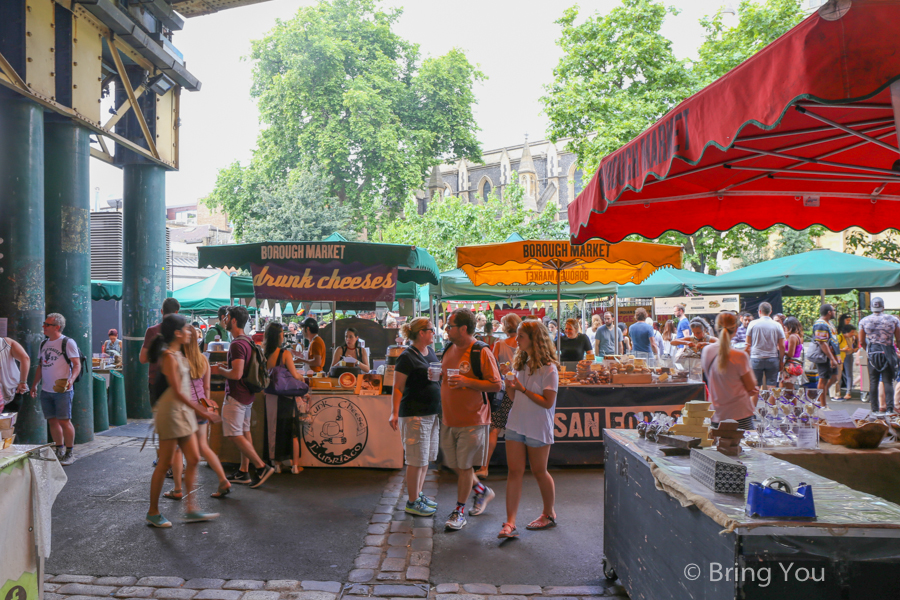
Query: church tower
[[528, 177]]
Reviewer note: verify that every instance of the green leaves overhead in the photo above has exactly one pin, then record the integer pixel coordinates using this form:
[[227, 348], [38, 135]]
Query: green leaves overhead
[[337, 88]]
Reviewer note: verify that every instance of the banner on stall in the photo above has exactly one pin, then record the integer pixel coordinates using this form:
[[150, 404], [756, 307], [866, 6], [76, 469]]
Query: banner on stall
[[331, 281], [350, 431], [626, 313], [698, 305], [538, 314]]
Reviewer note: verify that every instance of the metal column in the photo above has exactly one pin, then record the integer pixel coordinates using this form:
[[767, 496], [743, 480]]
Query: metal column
[[22, 242], [67, 229], [144, 274]]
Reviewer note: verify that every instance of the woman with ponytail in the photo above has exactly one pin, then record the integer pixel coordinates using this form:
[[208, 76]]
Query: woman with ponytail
[[731, 381]]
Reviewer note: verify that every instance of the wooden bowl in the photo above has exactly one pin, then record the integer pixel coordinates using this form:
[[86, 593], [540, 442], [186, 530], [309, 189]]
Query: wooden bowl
[[865, 437]]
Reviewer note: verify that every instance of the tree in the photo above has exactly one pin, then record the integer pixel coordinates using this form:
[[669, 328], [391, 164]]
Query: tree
[[884, 248], [298, 209], [618, 75], [452, 222], [336, 87]]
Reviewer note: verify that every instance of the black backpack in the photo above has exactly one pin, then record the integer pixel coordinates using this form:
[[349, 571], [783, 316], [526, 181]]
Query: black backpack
[[65, 342], [495, 399]]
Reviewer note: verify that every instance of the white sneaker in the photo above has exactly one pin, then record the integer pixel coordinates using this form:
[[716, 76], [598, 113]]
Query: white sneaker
[[296, 469], [456, 520], [481, 501], [68, 458], [277, 466]]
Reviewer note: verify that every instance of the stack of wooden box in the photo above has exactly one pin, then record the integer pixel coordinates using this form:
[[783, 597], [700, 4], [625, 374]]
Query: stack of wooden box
[[694, 415], [728, 438]]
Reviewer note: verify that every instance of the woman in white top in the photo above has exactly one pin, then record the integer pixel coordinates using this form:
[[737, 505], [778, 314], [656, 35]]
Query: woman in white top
[[12, 377], [529, 428], [731, 383]]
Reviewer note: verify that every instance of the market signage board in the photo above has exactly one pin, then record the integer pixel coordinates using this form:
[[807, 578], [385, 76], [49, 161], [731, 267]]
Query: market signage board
[[326, 281], [698, 305]]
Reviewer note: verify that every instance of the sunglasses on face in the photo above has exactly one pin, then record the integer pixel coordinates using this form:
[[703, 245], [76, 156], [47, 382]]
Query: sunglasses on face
[[49, 324]]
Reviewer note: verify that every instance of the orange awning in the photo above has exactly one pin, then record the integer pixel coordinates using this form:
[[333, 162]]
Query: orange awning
[[541, 262]]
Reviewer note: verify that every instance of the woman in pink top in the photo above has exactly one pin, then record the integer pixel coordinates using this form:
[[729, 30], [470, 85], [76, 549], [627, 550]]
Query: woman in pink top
[[730, 378], [792, 374]]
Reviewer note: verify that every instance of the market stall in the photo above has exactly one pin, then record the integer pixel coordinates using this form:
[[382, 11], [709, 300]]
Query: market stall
[[30, 480], [346, 422], [667, 535]]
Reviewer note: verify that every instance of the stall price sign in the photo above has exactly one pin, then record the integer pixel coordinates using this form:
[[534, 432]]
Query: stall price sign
[[698, 305]]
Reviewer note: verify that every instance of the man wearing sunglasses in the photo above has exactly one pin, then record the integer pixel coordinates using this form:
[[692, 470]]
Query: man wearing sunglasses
[[57, 369]]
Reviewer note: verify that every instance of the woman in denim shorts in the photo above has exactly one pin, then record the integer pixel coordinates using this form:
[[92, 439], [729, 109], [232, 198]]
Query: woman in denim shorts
[[529, 428]]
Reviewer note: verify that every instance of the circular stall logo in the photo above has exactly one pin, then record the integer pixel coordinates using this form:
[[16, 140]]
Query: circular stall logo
[[336, 431]]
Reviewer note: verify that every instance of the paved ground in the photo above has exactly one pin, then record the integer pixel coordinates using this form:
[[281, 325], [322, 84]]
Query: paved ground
[[307, 526], [569, 554]]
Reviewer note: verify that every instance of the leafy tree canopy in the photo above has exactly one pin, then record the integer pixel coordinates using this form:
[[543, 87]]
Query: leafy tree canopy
[[337, 88], [452, 222], [298, 209]]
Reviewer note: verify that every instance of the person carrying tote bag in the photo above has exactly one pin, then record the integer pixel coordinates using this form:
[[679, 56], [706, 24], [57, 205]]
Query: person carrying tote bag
[[286, 385]]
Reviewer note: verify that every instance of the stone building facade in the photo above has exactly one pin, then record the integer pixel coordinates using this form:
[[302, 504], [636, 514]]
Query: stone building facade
[[549, 175]]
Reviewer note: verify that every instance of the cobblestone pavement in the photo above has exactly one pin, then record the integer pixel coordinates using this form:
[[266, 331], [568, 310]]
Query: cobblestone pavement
[[394, 562]]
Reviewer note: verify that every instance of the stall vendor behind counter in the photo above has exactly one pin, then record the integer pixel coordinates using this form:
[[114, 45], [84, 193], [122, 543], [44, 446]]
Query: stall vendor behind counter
[[315, 358], [573, 345]]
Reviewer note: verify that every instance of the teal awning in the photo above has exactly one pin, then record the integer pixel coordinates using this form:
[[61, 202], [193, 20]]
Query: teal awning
[[806, 274], [106, 290], [665, 283], [208, 295], [413, 264], [456, 285]]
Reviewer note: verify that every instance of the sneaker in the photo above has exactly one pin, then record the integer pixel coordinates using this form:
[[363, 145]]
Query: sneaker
[[242, 477], [428, 501], [419, 508], [68, 458], [169, 474], [158, 521], [481, 501], [198, 517], [838, 399], [296, 469], [277, 466], [60, 452], [260, 476], [456, 520]]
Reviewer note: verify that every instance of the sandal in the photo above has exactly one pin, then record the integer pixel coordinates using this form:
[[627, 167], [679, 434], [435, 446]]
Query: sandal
[[173, 494], [537, 524], [221, 492], [508, 531]]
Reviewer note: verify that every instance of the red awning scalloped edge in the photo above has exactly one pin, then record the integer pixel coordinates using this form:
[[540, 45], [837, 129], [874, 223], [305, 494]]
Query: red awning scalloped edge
[[800, 134]]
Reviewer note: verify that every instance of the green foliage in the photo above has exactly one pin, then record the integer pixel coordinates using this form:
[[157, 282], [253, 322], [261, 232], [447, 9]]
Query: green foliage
[[806, 308], [299, 209], [618, 75], [337, 88], [886, 248], [452, 222], [759, 24]]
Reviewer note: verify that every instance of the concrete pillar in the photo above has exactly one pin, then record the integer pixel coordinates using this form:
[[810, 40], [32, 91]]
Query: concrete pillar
[[22, 242], [144, 274], [67, 230]]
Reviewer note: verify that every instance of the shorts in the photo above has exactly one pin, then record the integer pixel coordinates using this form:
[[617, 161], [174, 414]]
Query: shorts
[[770, 367], [57, 405], [512, 436], [235, 417], [825, 370], [465, 447], [420, 439]]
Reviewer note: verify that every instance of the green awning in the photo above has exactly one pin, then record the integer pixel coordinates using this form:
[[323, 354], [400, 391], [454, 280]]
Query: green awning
[[456, 285], [208, 295], [413, 264], [665, 283], [106, 290], [806, 274]]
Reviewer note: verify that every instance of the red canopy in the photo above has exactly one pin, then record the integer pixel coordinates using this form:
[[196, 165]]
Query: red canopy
[[802, 133]]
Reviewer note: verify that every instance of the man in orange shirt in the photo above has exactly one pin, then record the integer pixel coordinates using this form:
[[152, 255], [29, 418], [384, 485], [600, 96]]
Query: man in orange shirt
[[466, 413], [316, 354]]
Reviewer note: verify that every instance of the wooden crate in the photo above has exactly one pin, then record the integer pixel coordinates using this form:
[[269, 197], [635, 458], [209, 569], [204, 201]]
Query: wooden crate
[[632, 378]]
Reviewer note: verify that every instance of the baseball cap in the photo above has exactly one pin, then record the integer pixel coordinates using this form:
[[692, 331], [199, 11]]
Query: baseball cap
[[877, 305]]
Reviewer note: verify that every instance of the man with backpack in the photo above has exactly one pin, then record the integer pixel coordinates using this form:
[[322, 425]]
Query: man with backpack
[[470, 373], [246, 367], [59, 368]]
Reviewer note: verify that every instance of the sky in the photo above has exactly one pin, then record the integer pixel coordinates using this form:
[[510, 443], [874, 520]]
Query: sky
[[513, 42]]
